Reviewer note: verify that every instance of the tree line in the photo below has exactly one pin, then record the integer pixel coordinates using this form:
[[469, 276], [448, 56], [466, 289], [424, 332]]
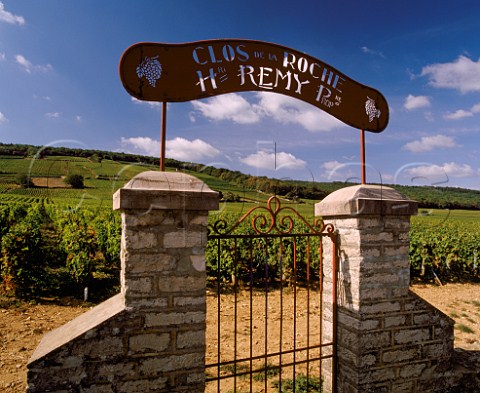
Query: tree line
[[426, 196]]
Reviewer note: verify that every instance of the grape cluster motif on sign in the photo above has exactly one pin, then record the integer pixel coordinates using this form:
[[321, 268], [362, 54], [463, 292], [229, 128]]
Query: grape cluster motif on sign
[[371, 109], [151, 69]]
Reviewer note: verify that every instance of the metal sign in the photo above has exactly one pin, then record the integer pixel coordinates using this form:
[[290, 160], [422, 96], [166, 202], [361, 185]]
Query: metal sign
[[189, 71]]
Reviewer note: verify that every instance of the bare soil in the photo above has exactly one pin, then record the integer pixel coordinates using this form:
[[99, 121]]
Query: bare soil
[[22, 325], [49, 182]]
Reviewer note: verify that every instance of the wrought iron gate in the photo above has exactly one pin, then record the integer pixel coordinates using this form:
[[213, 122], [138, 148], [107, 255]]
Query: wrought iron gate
[[272, 307]]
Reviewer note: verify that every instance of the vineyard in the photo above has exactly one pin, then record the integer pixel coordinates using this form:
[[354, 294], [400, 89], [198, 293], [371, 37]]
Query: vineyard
[[47, 250], [56, 240], [47, 175]]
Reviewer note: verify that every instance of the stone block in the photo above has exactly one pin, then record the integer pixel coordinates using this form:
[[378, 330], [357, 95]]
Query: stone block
[[144, 385], [395, 321], [174, 318], [139, 286], [105, 372], [200, 219], [184, 239], [401, 355], [102, 347], [149, 262], [401, 386], [412, 370], [147, 302], [185, 284], [377, 375], [381, 307], [370, 360], [191, 339], [182, 301], [138, 240], [198, 262], [410, 336], [149, 342], [376, 340], [437, 350], [376, 237], [99, 388], [154, 366], [398, 251], [196, 378], [143, 220]]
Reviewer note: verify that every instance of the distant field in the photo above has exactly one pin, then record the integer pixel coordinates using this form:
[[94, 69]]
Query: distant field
[[432, 217], [103, 178]]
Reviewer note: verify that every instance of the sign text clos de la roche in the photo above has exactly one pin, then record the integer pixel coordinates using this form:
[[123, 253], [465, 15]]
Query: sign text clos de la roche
[[189, 71]]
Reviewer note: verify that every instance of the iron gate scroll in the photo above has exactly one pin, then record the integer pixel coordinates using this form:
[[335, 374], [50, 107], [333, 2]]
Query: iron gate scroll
[[267, 291]]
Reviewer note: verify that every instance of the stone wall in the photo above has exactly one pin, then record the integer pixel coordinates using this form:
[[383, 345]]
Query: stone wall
[[151, 336], [389, 339]]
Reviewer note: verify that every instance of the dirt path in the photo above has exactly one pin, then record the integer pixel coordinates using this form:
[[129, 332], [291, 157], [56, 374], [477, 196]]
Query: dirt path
[[22, 326]]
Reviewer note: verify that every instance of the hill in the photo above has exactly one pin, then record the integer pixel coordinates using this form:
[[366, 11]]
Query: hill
[[104, 172]]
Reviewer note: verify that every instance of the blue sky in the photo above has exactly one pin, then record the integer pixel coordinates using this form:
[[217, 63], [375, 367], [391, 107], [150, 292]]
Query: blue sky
[[60, 85]]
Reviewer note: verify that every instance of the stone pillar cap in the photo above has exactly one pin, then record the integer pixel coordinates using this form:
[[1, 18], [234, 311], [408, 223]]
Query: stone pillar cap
[[366, 199], [165, 190]]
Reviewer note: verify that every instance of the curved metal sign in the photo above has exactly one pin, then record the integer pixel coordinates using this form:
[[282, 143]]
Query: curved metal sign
[[189, 71]]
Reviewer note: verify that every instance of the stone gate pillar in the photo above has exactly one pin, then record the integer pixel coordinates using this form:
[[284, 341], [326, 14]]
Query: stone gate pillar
[[388, 339], [151, 336]]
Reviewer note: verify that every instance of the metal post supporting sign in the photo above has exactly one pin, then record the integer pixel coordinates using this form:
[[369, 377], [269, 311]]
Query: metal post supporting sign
[[362, 156], [163, 136]]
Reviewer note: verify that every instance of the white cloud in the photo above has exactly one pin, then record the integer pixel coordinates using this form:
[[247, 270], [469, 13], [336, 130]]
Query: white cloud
[[179, 148], [3, 118], [2, 56], [429, 116], [53, 115], [462, 113], [463, 74], [192, 151], [331, 165], [46, 98], [141, 145], [78, 118], [451, 169], [151, 104], [266, 160], [337, 171], [476, 108], [229, 107], [8, 17], [29, 67], [459, 114], [416, 102], [372, 52], [280, 108], [428, 143], [289, 110]]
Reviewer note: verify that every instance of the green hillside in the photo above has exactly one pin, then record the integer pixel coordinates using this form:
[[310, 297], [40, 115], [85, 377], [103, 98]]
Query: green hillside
[[104, 172], [101, 180]]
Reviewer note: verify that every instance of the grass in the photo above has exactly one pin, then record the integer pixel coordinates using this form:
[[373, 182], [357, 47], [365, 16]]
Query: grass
[[475, 303], [270, 372], [231, 368], [454, 315], [464, 328], [301, 384]]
